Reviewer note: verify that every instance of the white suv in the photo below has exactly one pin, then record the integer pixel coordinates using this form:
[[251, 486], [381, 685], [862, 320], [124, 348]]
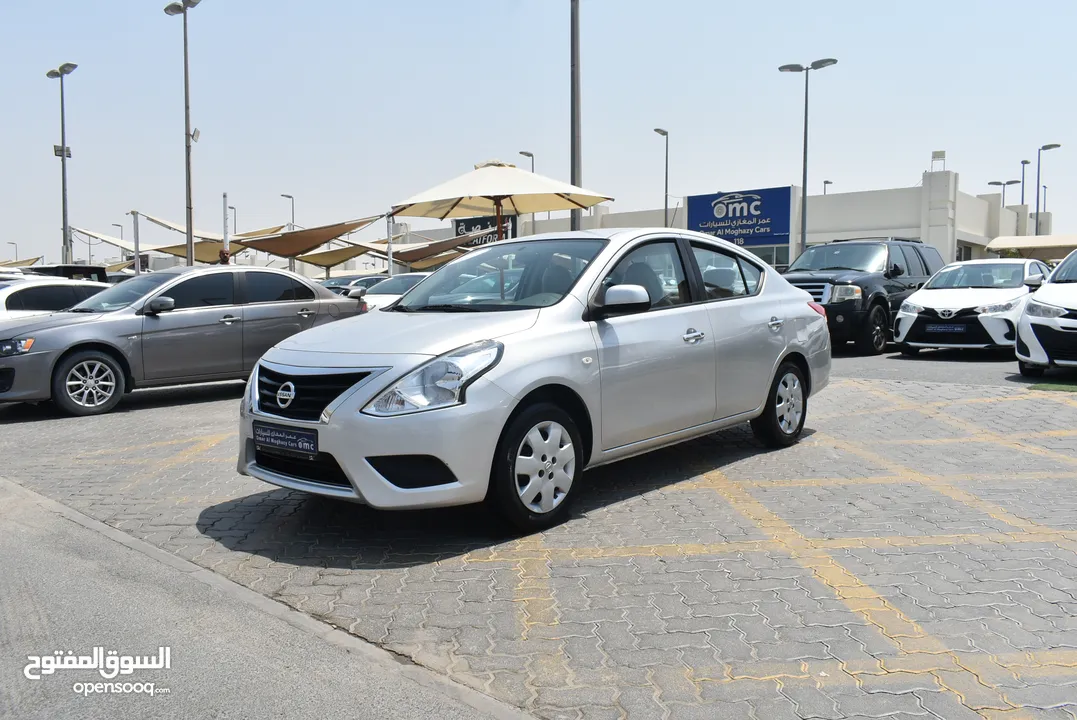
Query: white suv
[[1047, 332]]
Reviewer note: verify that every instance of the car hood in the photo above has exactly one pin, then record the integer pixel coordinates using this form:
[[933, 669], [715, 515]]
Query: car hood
[[380, 301], [398, 333], [958, 298], [1062, 295], [17, 327], [831, 276]]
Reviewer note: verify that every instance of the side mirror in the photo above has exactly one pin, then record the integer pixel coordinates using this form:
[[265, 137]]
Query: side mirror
[[354, 292], [1034, 281], [160, 304], [896, 270], [623, 300]]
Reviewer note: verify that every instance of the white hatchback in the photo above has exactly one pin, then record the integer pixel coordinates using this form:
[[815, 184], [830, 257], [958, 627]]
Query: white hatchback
[[971, 304], [1047, 330], [31, 295]]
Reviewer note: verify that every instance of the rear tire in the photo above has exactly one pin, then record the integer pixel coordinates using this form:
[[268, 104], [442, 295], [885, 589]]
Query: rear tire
[[1029, 371], [871, 340], [783, 416], [536, 469], [89, 382]]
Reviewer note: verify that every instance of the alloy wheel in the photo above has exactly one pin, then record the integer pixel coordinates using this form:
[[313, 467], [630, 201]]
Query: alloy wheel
[[90, 384], [789, 403], [878, 334], [545, 466]]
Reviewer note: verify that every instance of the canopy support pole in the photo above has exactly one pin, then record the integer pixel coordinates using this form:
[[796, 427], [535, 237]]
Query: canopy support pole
[[500, 230]]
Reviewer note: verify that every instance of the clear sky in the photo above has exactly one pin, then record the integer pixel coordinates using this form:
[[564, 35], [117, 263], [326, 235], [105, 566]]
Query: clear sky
[[352, 105]]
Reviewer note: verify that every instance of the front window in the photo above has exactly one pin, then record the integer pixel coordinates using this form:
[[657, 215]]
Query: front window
[[656, 267], [1066, 272], [547, 271], [841, 256], [395, 285], [123, 294], [980, 275]]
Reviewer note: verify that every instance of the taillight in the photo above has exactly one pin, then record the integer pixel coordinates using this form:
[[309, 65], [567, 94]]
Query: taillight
[[817, 307], [362, 307]]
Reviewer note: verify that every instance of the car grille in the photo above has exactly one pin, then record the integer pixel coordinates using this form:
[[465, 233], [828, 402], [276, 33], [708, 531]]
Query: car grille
[[974, 333], [7, 379], [1058, 344], [962, 313], [820, 292], [313, 393], [1071, 315], [323, 470]]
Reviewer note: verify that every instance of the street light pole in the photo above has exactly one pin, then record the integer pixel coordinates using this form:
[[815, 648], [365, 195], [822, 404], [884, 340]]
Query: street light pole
[[233, 209], [1045, 198], [1023, 164], [16, 248], [665, 205], [528, 154], [181, 8], [64, 153], [575, 144], [817, 65], [825, 184], [134, 228], [1003, 184], [291, 227], [1039, 153]]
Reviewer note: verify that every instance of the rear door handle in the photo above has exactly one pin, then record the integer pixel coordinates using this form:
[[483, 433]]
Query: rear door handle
[[305, 313], [229, 319], [775, 323], [692, 336]]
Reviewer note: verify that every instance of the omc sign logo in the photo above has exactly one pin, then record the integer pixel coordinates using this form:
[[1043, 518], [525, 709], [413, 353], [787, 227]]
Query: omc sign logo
[[736, 205]]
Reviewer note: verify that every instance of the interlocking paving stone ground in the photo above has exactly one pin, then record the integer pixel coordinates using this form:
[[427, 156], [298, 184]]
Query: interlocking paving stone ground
[[914, 556]]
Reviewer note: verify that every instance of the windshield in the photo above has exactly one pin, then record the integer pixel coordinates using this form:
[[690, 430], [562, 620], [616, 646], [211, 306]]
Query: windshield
[[1066, 272], [980, 275], [123, 294], [842, 256], [545, 271], [395, 285]]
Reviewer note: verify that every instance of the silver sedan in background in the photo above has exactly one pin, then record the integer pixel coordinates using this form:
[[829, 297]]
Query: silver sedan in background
[[181, 325], [607, 344]]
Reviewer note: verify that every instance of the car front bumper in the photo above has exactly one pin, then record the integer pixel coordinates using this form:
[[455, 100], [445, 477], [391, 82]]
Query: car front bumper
[[977, 330], [845, 319], [1047, 341], [27, 378], [462, 438]]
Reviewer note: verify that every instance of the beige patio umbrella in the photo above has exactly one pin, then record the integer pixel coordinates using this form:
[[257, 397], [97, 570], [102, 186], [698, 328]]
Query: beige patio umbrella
[[497, 188]]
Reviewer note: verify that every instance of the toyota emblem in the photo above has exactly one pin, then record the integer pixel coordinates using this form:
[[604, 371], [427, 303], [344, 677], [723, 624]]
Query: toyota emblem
[[285, 395], [942, 313]]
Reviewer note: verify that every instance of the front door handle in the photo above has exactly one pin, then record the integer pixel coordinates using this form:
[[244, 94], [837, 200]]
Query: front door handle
[[692, 336], [228, 319], [305, 313], [775, 323]]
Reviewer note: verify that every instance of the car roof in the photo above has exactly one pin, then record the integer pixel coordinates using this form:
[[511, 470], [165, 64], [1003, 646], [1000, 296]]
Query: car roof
[[996, 261], [28, 280]]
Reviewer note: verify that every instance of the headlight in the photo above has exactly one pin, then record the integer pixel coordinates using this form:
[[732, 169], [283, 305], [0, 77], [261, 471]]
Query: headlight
[[1038, 309], [846, 292], [243, 404], [439, 383], [15, 347], [999, 307], [911, 308]]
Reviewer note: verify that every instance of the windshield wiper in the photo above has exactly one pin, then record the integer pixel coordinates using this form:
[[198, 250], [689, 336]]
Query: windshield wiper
[[446, 307], [1064, 281], [837, 267], [82, 310]]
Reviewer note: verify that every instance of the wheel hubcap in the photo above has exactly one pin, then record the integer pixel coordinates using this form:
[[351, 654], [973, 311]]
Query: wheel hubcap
[[789, 403], [878, 335], [545, 466], [91, 384]]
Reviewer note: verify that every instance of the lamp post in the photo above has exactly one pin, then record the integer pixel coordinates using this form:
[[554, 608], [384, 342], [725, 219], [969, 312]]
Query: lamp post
[[531, 155], [233, 209], [64, 152], [817, 65], [16, 248], [665, 197], [825, 183], [1003, 184], [1045, 198], [291, 227], [576, 215], [181, 8], [1023, 164], [1039, 153]]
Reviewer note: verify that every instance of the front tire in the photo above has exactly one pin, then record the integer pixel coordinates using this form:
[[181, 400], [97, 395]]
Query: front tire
[[871, 340], [1029, 371], [88, 383], [536, 468], [909, 351], [782, 419]]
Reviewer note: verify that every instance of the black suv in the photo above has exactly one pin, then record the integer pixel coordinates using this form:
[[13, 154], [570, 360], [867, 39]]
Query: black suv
[[862, 283]]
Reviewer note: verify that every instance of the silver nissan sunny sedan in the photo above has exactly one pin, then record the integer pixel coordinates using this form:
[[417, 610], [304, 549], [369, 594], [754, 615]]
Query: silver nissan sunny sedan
[[611, 343]]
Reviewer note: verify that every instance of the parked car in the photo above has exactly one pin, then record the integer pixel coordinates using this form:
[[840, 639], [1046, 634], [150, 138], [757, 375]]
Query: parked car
[[338, 284], [389, 291], [862, 284], [1047, 330], [97, 273], [970, 304], [38, 295], [181, 325], [592, 358]]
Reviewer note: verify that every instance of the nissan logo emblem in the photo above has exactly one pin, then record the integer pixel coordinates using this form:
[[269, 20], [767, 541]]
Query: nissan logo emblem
[[285, 394]]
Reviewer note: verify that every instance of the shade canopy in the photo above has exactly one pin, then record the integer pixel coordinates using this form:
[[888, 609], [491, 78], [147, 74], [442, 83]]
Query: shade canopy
[[116, 242], [205, 251], [120, 266], [435, 261], [332, 258], [203, 235], [300, 242], [1040, 247], [495, 185], [27, 262]]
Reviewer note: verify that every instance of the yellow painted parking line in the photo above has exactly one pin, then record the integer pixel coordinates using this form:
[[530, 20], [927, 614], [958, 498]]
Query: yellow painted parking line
[[207, 442], [884, 480], [533, 594], [148, 446]]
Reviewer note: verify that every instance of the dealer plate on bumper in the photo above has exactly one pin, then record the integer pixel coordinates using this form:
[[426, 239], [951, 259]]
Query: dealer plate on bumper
[[945, 328], [289, 441]]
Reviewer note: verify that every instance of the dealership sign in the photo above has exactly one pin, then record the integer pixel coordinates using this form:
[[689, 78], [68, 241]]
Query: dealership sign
[[470, 225], [748, 217]]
